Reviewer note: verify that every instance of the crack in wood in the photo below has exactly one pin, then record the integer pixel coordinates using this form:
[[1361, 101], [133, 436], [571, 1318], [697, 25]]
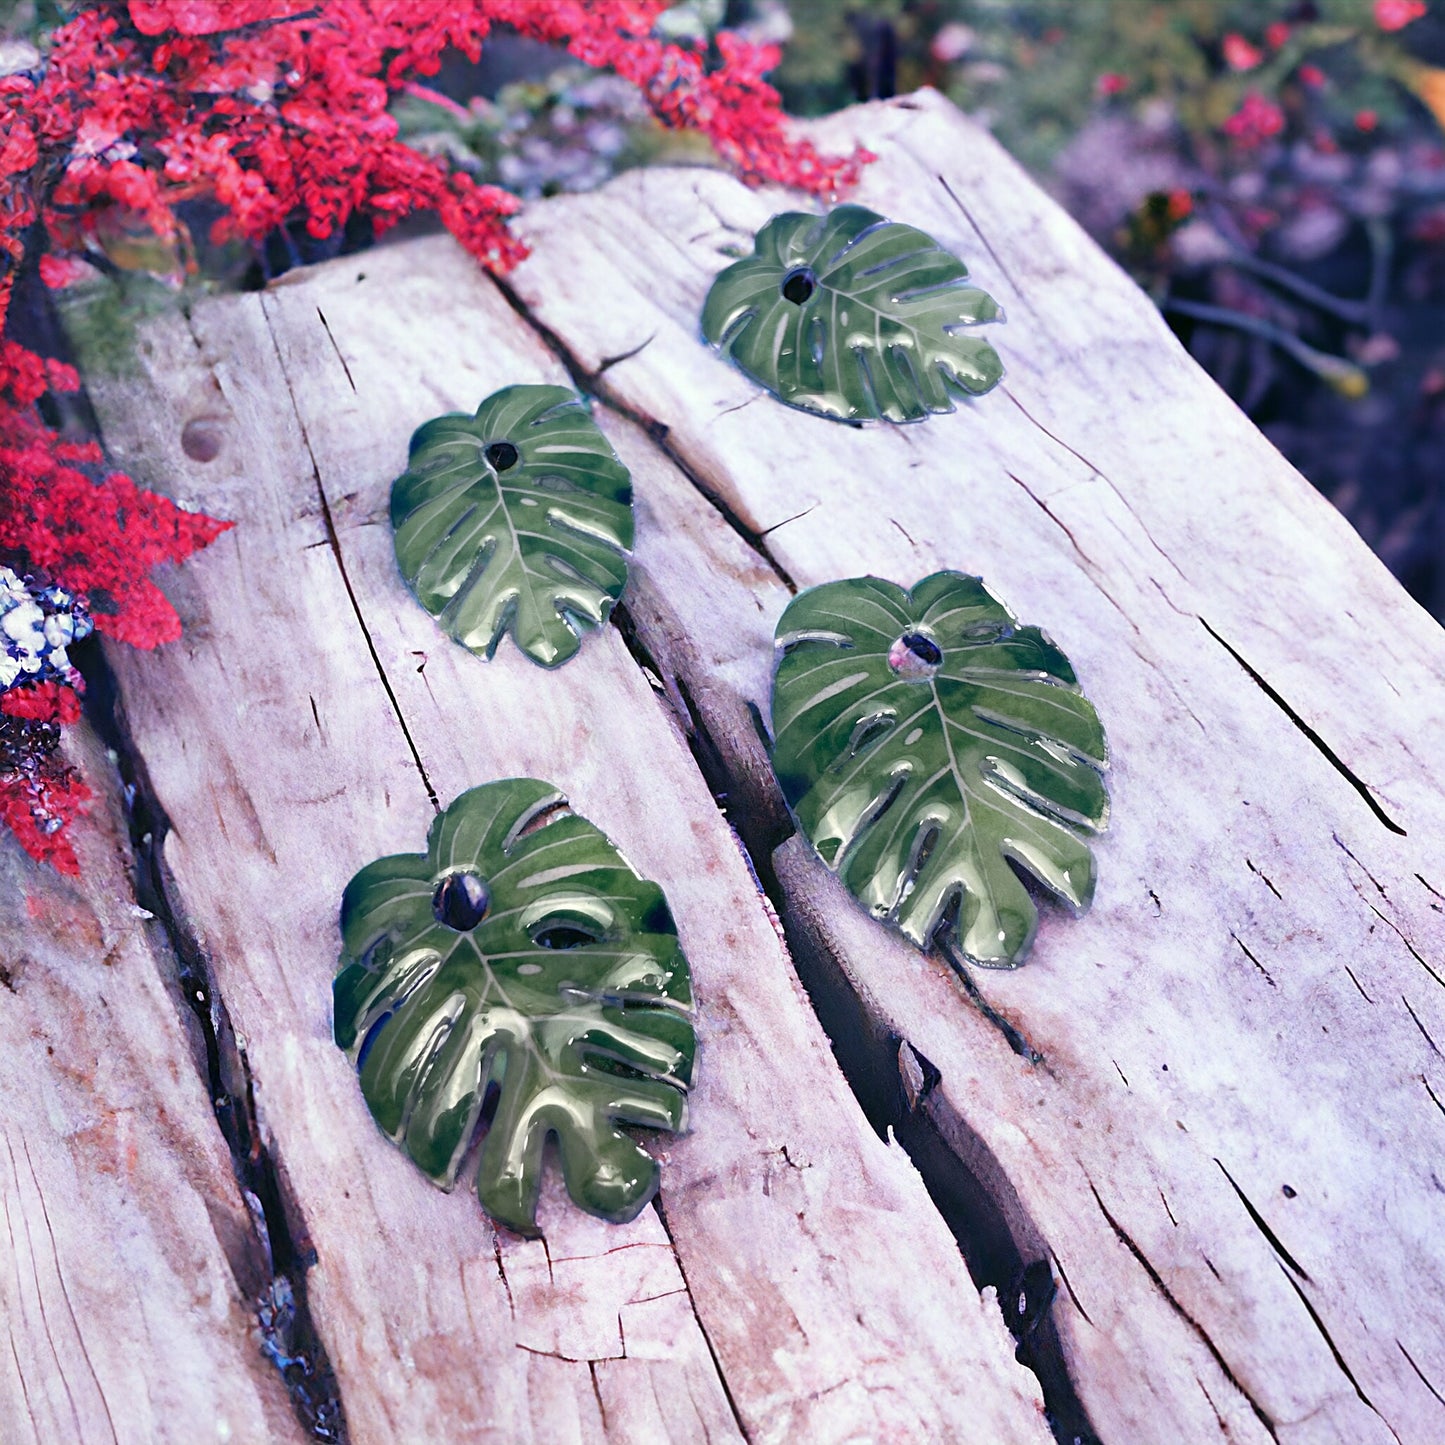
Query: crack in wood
[[39, 1290], [1426, 1032], [796, 517], [1414, 952], [60, 1278], [1334, 1349], [1379, 887], [661, 1212], [1249, 863], [984, 241], [1064, 527], [1095, 471], [596, 1390], [1358, 984], [335, 542], [1069, 1290], [1324, 749], [1423, 1379], [1156, 1279], [587, 383], [1263, 1227], [1015, 1036], [1223, 1426], [326, 327], [975, 1218], [1268, 977]]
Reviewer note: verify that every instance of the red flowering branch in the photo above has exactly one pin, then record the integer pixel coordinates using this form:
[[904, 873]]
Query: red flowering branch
[[276, 111], [79, 546]]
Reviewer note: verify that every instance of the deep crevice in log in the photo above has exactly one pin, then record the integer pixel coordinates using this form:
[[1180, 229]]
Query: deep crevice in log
[[288, 1333], [984, 1217]]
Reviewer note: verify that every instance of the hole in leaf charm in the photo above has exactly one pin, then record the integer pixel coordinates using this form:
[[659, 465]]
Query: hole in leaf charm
[[933, 750], [799, 284], [518, 966], [502, 455], [461, 901], [854, 316], [915, 656]]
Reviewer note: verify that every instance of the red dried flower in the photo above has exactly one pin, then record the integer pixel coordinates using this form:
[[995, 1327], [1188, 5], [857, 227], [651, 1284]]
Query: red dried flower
[[38, 809], [1397, 14], [1255, 122], [50, 702], [1239, 54]]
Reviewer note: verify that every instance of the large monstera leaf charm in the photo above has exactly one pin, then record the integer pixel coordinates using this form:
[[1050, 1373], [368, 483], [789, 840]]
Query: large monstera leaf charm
[[928, 744], [854, 316], [517, 519], [521, 951]]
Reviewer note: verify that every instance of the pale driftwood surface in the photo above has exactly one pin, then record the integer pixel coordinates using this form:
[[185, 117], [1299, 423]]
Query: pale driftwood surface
[[129, 1278], [1253, 1002], [794, 1281], [1256, 999]]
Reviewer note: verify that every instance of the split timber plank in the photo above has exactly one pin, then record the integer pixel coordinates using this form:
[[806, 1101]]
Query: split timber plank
[[794, 1281], [130, 1267], [1233, 1146]]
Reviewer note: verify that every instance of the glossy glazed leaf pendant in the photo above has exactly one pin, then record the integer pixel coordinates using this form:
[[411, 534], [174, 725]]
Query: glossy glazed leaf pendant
[[517, 519], [520, 950], [855, 317], [926, 742]]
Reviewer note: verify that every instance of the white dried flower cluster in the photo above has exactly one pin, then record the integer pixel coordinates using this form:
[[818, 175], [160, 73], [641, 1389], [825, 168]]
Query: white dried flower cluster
[[38, 622]]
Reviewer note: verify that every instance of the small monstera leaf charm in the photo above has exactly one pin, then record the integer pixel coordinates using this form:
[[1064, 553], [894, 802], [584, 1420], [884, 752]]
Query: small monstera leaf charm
[[853, 316], [926, 743], [522, 951], [517, 519]]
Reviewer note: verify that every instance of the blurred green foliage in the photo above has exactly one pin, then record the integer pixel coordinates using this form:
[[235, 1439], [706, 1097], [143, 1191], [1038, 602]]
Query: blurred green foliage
[[1037, 69]]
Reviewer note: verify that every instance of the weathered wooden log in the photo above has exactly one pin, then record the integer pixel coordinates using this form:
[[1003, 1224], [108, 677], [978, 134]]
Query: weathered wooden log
[[1214, 1103], [1210, 1111], [131, 1273]]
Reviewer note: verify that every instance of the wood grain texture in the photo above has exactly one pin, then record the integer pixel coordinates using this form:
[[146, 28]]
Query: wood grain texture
[[130, 1267], [794, 1280], [1232, 1147]]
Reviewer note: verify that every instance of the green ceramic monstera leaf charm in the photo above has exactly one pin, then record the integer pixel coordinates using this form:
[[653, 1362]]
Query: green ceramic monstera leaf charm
[[517, 519], [854, 316], [927, 743], [520, 950]]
